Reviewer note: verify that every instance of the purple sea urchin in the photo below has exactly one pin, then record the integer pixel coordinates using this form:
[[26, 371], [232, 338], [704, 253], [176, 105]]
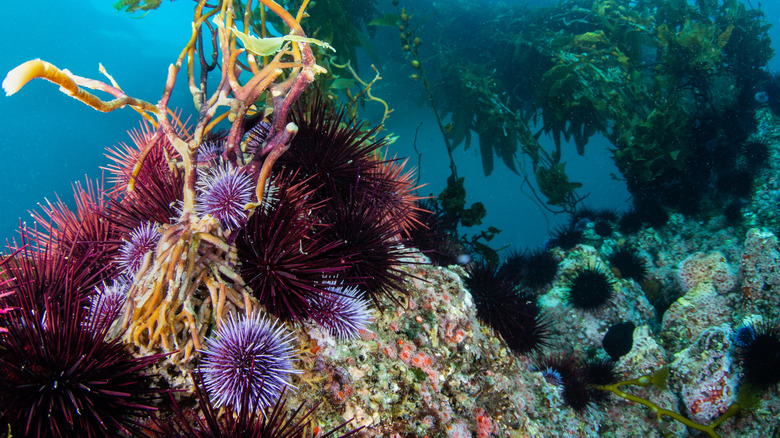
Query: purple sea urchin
[[132, 252], [248, 357], [223, 191], [210, 151], [108, 300], [343, 312]]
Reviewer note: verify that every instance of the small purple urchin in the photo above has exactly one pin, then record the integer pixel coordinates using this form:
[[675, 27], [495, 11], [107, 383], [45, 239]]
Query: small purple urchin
[[343, 312], [223, 191], [248, 354], [142, 240], [210, 151], [108, 300]]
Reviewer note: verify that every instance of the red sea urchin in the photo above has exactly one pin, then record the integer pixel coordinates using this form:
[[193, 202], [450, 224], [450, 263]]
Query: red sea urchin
[[59, 375], [249, 357], [157, 188], [83, 231]]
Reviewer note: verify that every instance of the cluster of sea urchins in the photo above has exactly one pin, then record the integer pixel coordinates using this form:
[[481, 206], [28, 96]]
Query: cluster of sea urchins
[[325, 243], [62, 373]]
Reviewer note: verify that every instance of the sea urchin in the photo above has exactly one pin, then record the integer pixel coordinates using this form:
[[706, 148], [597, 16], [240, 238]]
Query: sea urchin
[[502, 305], [759, 352], [132, 252], [223, 191], [590, 287], [248, 355]]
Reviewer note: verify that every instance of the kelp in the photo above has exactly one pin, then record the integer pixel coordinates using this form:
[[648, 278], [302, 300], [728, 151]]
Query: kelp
[[644, 76]]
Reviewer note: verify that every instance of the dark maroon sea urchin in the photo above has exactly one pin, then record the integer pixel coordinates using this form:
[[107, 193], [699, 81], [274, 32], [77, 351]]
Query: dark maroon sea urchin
[[431, 238], [536, 268], [503, 306], [629, 262], [565, 237], [59, 375], [577, 380], [248, 357], [590, 287], [370, 243], [343, 158], [758, 347], [285, 256], [331, 150], [566, 373]]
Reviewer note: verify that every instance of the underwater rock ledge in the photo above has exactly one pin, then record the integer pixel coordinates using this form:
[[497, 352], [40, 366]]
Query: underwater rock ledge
[[430, 368]]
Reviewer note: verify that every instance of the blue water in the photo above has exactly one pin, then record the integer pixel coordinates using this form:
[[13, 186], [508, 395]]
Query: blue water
[[50, 140]]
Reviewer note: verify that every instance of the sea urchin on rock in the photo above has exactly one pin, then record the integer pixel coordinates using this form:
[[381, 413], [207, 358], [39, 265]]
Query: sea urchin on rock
[[759, 352], [629, 262], [248, 355], [343, 312], [504, 307], [285, 258], [590, 288]]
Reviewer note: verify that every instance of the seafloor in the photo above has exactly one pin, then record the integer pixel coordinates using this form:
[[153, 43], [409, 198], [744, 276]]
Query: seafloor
[[429, 367]]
